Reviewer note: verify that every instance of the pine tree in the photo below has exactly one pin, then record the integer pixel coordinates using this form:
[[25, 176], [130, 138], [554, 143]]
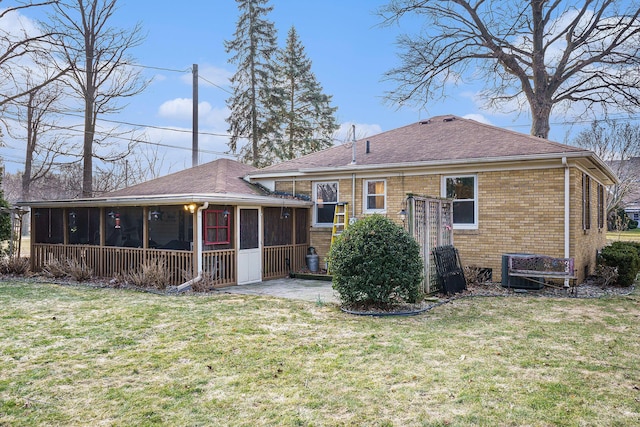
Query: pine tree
[[303, 120], [254, 45]]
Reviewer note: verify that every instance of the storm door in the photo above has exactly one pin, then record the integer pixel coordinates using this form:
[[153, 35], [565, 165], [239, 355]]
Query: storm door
[[249, 246]]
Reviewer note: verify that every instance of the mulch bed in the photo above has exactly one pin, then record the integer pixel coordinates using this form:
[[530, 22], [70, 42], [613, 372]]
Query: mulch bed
[[588, 289]]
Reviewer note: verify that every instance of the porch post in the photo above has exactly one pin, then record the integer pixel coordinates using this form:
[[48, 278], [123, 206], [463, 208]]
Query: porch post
[[145, 227], [293, 224], [65, 226], [103, 226]]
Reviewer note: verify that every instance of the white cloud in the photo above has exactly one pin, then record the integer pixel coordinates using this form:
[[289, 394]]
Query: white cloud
[[478, 118], [210, 76], [363, 130], [181, 109]]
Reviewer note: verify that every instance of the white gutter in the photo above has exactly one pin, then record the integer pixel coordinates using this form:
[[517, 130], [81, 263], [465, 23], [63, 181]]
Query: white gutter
[[567, 217], [229, 199], [347, 168], [187, 285], [353, 196]]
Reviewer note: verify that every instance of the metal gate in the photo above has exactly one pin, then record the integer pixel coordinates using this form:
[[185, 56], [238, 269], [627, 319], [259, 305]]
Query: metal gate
[[430, 222]]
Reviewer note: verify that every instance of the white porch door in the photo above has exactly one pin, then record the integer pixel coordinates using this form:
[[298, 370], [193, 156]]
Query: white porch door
[[249, 245]]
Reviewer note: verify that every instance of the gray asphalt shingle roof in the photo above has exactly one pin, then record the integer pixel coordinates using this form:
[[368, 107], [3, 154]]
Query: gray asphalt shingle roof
[[440, 138], [222, 176]]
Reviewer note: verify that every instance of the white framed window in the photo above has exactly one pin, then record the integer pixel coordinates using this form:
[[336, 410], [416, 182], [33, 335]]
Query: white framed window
[[463, 189], [375, 196], [325, 196]]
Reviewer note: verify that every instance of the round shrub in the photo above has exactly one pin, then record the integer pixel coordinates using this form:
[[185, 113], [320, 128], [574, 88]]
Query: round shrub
[[376, 263], [624, 256]]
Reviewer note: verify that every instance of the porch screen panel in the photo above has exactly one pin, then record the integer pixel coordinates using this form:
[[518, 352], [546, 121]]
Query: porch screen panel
[[84, 226], [49, 225], [302, 226], [278, 227], [248, 228], [124, 226]]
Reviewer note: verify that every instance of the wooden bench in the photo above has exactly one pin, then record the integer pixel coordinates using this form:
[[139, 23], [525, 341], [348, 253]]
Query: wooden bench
[[531, 267]]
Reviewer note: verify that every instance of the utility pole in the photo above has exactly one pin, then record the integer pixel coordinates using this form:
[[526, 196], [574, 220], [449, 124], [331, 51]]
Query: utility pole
[[194, 145]]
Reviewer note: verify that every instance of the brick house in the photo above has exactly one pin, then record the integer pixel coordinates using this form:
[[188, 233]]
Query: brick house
[[514, 193]]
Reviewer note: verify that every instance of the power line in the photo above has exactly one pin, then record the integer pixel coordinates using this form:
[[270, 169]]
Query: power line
[[213, 84], [151, 67]]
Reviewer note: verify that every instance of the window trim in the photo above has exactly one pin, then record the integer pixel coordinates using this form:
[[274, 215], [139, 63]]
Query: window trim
[[586, 202], [315, 202], [365, 197], [216, 227], [601, 206], [443, 192]]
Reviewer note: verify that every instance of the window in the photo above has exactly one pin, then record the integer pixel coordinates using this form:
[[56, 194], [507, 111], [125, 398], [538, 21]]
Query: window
[[375, 196], [216, 227], [601, 207], [464, 192], [325, 195], [586, 202]]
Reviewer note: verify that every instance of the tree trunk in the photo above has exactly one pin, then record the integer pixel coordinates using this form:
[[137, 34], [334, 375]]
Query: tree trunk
[[540, 114], [28, 161]]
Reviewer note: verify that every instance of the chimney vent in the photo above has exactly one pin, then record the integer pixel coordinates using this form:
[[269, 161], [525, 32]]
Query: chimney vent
[[367, 150]]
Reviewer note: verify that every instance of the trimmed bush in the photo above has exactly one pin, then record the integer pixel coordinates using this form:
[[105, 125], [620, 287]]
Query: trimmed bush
[[624, 256], [375, 262]]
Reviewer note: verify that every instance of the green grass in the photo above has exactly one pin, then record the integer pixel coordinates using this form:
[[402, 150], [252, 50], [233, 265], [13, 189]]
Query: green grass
[[83, 356], [629, 235]]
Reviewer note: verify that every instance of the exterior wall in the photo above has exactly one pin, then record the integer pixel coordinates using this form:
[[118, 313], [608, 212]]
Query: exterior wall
[[585, 243], [519, 211]]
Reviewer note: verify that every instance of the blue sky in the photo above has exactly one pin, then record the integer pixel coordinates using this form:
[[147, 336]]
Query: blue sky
[[348, 49]]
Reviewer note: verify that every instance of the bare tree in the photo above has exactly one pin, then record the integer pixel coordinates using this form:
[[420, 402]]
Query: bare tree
[[542, 54], [37, 115], [619, 146], [100, 72], [18, 44]]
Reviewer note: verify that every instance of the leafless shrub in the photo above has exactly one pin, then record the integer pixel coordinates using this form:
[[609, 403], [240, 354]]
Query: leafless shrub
[[78, 270], [54, 269], [606, 274], [14, 265], [473, 275], [204, 285], [150, 275]]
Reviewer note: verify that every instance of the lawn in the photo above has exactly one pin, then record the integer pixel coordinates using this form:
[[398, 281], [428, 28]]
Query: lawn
[[628, 235], [75, 355]]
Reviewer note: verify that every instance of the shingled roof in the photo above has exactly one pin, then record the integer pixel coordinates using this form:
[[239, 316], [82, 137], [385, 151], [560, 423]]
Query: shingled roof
[[222, 176], [441, 138]]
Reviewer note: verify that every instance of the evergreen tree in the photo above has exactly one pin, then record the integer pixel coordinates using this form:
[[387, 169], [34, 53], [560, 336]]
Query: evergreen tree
[[254, 45], [303, 120], [5, 217]]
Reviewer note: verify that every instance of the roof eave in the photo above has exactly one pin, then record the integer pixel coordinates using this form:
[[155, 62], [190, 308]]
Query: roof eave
[[434, 163], [175, 199]]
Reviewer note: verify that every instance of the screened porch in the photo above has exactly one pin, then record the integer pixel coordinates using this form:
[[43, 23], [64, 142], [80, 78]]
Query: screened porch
[[114, 241]]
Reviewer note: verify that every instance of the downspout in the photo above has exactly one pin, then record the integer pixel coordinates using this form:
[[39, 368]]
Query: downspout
[[567, 217], [353, 195], [187, 285]]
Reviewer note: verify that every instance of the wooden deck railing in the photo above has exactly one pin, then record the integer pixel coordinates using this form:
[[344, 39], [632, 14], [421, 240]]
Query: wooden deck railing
[[108, 261], [274, 262], [219, 267]]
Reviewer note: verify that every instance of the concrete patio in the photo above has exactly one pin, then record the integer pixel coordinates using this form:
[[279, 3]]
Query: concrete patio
[[300, 289]]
